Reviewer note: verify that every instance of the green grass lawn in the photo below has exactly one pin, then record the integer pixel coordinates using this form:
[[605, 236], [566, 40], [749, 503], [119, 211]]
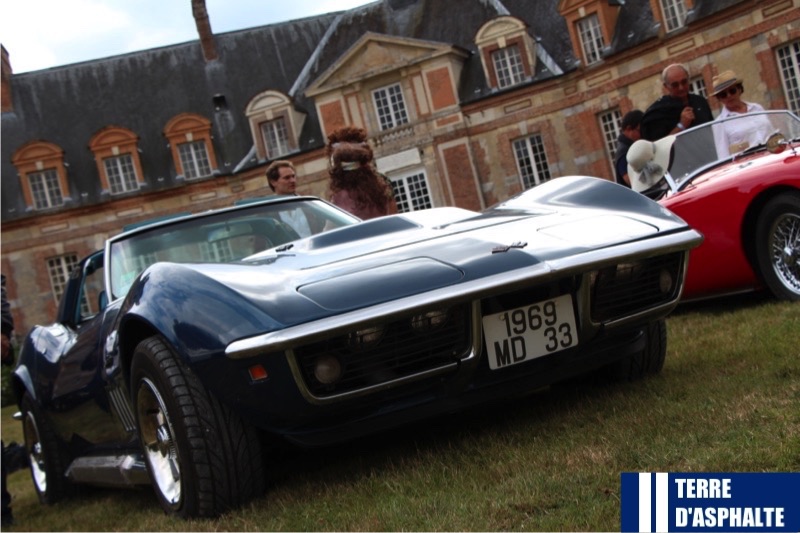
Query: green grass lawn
[[727, 401]]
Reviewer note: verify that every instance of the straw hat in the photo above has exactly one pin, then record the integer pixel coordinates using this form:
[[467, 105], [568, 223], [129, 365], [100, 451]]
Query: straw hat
[[724, 80]]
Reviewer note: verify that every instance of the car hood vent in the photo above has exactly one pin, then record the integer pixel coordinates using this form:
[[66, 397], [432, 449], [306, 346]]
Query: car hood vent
[[380, 284]]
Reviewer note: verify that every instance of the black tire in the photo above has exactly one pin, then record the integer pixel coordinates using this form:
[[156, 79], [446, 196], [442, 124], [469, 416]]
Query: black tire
[[778, 246], [46, 457], [648, 361], [201, 457]]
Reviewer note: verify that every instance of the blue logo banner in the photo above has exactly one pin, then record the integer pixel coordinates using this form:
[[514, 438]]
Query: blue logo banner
[[678, 502]]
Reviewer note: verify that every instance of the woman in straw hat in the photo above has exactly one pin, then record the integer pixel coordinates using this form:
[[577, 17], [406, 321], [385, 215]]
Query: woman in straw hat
[[733, 136]]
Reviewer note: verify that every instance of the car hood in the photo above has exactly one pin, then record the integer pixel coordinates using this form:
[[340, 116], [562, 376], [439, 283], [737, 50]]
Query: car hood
[[399, 256]]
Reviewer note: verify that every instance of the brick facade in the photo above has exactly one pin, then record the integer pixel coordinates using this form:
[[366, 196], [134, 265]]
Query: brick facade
[[466, 148]]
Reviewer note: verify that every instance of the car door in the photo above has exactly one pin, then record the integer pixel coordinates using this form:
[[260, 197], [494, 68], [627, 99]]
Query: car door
[[78, 402]]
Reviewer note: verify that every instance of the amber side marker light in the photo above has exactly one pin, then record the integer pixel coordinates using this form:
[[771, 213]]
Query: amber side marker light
[[257, 373]]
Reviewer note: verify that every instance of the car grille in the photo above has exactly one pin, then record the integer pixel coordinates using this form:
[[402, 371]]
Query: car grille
[[374, 355], [627, 288]]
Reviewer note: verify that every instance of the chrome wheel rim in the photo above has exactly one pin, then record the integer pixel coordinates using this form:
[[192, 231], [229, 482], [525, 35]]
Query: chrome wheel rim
[[158, 442], [33, 447], [784, 246]]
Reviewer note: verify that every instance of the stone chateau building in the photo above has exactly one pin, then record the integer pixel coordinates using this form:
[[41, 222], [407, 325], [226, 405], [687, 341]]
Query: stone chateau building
[[467, 102]]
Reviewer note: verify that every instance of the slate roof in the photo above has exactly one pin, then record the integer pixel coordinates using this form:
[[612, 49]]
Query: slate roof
[[142, 91]]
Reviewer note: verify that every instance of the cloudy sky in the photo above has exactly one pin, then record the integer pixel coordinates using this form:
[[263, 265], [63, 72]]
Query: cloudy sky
[[41, 34]]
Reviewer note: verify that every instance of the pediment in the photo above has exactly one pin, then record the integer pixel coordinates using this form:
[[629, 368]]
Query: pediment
[[374, 54], [501, 26]]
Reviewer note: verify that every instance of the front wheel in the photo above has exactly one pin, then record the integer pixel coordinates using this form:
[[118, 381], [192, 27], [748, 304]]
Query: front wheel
[[46, 457], [778, 246], [201, 457]]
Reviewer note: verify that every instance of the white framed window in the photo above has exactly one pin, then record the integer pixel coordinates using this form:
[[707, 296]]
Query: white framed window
[[390, 106], [216, 252], [194, 159], [789, 65], [508, 66], [411, 191], [698, 86], [93, 286], [59, 269], [591, 38], [276, 138], [674, 12], [46, 189], [610, 126], [531, 161], [121, 174]]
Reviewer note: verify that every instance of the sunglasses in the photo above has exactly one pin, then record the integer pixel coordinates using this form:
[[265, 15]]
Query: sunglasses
[[680, 83], [728, 92]]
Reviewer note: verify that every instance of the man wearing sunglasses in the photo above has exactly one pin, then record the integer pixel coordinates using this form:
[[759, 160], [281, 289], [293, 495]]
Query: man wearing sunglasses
[[677, 110]]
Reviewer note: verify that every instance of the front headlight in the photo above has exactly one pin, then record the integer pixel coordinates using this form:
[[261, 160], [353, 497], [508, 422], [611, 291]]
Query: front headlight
[[429, 320], [365, 338]]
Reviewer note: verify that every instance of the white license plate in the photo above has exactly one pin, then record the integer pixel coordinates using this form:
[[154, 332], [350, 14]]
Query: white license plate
[[528, 332]]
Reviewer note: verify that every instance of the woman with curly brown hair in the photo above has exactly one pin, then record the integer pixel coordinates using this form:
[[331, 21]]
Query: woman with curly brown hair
[[355, 185]]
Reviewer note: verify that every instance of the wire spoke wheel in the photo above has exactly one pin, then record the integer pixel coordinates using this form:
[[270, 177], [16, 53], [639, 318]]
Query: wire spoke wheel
[[785, 246], [777, 245]]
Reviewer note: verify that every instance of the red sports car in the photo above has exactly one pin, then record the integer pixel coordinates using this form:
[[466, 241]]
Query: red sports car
[[737, 182]]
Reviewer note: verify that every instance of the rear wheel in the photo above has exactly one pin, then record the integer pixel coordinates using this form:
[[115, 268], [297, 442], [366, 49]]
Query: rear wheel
[[46, 457], [778, 246], [202, 458], [648, 361]]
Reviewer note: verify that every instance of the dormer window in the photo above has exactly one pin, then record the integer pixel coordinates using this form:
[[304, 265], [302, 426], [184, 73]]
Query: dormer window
[[45, 189], [507, 52], [508, 66], [194, 159], [591, 38], [390, 106], [591, 26], [118, 162], [121, 174], [43, 174], [276, 139], [189, 138], [673, 13], [274, 124]]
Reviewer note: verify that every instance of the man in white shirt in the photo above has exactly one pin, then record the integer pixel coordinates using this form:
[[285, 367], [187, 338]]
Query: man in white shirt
[[282, 179]]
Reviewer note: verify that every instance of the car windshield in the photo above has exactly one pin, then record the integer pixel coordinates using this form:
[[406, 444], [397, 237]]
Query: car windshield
[[705, 146], [218, 237]]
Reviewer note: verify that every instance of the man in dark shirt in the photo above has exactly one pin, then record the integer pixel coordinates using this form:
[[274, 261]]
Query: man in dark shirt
[[629, 134], [677, 110]]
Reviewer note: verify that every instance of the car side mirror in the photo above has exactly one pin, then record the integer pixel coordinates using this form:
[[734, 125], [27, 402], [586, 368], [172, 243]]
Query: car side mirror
[[776, 143]]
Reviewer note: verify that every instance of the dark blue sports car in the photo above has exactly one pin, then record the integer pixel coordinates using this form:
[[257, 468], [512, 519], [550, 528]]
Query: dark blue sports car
[[184, 344]]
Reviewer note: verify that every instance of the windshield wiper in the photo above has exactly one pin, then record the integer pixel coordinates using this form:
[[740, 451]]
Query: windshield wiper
[[751, 150]]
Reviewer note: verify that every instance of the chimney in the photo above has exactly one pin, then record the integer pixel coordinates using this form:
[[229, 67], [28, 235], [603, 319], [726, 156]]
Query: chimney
[[5, 93], [204, 30]]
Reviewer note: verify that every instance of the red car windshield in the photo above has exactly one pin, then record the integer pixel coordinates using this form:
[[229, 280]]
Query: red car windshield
[[706, 145]]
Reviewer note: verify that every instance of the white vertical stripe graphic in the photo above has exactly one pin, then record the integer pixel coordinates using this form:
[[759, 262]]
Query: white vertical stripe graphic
[[644, 502], [662, 502]]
